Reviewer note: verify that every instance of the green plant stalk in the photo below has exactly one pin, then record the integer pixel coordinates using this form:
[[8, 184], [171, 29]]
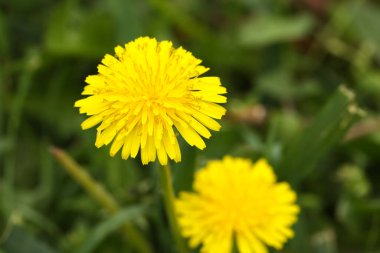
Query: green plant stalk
[[105, 199], [168, 194]]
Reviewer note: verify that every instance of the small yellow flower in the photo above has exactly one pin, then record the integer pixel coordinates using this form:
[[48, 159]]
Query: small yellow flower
[[148, 88], [237, 199]]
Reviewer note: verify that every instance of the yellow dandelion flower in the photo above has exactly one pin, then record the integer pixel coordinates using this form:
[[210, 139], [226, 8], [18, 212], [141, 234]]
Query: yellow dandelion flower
[[147, 92], [237, 199]]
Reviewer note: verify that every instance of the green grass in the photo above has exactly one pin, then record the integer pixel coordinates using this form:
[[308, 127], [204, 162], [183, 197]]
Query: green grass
[[283, 63]]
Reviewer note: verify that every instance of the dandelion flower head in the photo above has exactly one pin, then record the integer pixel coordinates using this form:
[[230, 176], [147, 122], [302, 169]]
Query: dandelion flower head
[[145, 94], [236, 199]]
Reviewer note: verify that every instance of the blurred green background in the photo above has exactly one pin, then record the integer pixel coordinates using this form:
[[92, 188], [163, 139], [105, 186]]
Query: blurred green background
[[282, 62]]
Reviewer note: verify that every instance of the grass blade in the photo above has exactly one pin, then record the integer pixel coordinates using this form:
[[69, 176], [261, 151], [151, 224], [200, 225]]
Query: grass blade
[[109, 226], [326, 131]]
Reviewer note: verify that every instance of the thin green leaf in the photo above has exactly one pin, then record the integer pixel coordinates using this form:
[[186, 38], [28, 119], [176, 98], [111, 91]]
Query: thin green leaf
[[265, 30], [109, 226], [20, 241], [326, 131]]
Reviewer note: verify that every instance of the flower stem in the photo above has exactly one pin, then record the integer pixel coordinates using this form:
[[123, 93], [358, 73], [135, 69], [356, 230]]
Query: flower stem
[[168, 194], [105, 199]]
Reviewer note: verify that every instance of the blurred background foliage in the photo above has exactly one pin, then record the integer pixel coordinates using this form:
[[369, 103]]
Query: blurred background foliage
[[283, 63]]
